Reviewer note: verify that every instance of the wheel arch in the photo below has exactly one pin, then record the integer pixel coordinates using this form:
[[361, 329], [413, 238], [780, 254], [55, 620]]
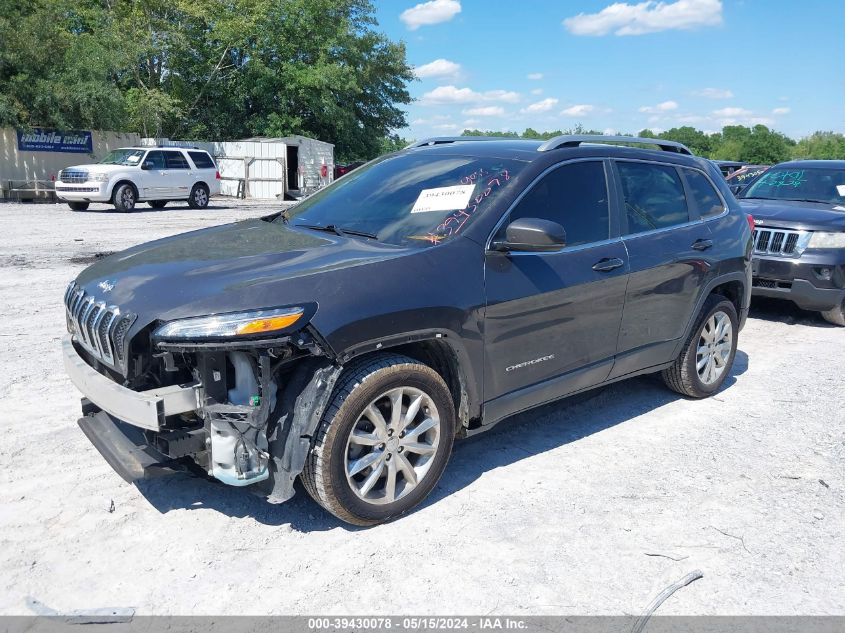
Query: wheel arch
[[734, 286], [124, 181]]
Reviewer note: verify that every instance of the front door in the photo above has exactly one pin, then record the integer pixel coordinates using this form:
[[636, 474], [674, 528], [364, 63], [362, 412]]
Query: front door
[[155, 184], [552, 319]]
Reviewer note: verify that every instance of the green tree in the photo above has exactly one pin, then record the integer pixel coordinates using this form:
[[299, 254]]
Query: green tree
[[822, 146]]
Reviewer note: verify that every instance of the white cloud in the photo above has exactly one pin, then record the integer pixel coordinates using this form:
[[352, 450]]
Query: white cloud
[[451, 94], [471, 122], [781, 110], [485, 111], [537, 91], [432, 12], [448, 127], [534, 76], [541, 106], [732, 112], [713, 93], [438, 68], [651, 16], [579, 110], [666, 106]]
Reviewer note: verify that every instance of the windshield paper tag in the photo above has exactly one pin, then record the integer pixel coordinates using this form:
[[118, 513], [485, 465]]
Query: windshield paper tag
[[443, 199], [839, 188]]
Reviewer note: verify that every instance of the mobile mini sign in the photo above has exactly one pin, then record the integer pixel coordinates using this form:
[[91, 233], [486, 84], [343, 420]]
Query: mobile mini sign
[[40, 140]]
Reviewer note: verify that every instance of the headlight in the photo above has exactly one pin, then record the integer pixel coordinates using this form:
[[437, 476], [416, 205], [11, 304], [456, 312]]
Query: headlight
[[229, 325], [821, 239], [98, 177]]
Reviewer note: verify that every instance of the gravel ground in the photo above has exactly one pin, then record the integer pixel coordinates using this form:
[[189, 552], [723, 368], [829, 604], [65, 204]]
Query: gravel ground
[[586, 507]]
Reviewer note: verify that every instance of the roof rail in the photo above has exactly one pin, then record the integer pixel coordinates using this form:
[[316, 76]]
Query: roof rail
[[574, 140], [442, 140]]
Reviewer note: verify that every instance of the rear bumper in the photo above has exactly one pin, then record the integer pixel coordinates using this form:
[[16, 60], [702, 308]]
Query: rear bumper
[[125, 447], [146, 409], [814, 282]]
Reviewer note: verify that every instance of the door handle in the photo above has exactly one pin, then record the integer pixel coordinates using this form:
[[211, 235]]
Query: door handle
[[702, 245], [607, 264]]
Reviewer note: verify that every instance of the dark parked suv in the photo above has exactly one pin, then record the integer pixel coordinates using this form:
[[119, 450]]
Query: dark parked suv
[[799, 244], [425, 296]]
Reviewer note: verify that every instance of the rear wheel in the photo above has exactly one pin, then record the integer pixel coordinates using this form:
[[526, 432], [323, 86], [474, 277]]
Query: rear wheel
[[157, 204], [383, 442], [78, 206], [199, 197], [835, 315], [706, 359], [124, 197]]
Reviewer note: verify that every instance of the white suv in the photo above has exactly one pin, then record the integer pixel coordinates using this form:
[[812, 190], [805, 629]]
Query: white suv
[[155, 175]]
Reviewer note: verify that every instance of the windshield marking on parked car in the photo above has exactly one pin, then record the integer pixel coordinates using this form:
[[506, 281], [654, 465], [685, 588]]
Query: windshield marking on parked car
[[443, 199], [784, 179], [459, 218]]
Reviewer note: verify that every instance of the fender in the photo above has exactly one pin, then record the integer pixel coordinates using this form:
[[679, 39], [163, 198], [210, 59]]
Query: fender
[[742, 277]]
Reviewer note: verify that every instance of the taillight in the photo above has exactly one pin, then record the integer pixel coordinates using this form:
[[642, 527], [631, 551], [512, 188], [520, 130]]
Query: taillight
[[750, 219], [217, 176]]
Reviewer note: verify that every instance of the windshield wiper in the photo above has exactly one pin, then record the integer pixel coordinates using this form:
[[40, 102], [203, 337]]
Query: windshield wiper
[[332, 228]]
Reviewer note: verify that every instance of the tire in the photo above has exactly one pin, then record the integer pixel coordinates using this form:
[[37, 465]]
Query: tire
[[690, 375], [835, 315], [157, 204], [365, 392], [78, 206], [199, 197], [124, 198]]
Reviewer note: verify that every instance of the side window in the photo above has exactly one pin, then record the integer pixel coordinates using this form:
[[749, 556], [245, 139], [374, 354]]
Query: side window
[[175, 160], [574, 196], [654, 196], [156, 158], [703, 194], [201, 160]]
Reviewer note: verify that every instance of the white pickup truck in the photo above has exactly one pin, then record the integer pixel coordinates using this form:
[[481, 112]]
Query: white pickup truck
[[129, 175]]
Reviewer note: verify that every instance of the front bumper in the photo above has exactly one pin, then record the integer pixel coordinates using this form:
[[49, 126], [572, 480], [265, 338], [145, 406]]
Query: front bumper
[[802, 281], [91, 191], [145, 409]]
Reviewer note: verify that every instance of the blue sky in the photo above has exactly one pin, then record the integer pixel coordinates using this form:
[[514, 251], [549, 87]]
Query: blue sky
[[621, 66]]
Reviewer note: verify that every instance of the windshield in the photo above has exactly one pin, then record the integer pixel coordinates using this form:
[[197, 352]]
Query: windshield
[[811, 185], [408, 199], [127, 157]]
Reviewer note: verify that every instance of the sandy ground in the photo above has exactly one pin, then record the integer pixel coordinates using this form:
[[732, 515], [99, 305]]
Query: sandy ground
[[588, 507]]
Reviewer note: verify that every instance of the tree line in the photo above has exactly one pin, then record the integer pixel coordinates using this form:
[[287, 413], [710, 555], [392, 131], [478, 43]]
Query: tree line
[[755, 145], [204, 69]]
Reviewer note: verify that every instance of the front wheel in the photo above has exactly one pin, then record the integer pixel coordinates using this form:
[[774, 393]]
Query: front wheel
[[383, 441], [835, 315], [125, 197], [78, 206], [706, 358], [199, 197]]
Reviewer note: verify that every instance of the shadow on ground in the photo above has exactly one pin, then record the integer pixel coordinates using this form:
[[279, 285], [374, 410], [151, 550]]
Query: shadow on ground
[[518, 437], [785, 312]]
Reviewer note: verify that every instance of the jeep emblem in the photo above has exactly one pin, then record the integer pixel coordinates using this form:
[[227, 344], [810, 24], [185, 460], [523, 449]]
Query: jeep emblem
[[106, 286]]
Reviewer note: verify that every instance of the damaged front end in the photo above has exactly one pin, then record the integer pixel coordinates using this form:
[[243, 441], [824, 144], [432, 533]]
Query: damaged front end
[[236, 397]]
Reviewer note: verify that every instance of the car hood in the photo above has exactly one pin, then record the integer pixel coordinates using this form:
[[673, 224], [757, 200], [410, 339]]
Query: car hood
[[791, 214], [98, 168], [247, 265]]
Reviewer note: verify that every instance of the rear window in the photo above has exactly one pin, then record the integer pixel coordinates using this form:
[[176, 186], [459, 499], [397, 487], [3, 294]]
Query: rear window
[[175, 160], [703, 194], [201, 160]]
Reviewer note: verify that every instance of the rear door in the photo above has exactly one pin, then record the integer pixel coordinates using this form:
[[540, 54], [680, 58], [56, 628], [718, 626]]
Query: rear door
[[667, 246], [180, 175], [552, 319]]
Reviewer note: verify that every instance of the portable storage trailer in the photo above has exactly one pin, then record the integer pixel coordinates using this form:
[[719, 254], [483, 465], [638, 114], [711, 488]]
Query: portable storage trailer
[[260, 167]]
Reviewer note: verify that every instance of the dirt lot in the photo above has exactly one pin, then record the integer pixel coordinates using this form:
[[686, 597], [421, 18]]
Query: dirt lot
[[578, 508]]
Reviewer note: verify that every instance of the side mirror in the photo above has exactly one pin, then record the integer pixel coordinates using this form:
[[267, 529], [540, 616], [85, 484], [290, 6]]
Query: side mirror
[[735, 189], [148, 164], [532, 235]]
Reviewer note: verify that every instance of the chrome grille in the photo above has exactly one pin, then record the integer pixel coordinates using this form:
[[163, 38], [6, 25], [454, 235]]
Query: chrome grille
[[780, 242], [98, 327], [73, 175]]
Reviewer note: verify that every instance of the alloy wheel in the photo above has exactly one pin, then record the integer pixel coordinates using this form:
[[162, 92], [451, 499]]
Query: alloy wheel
[[392, 445], [715, 344]]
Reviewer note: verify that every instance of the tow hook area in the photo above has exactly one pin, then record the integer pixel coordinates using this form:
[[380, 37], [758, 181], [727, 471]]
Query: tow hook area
[[236, 417]]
